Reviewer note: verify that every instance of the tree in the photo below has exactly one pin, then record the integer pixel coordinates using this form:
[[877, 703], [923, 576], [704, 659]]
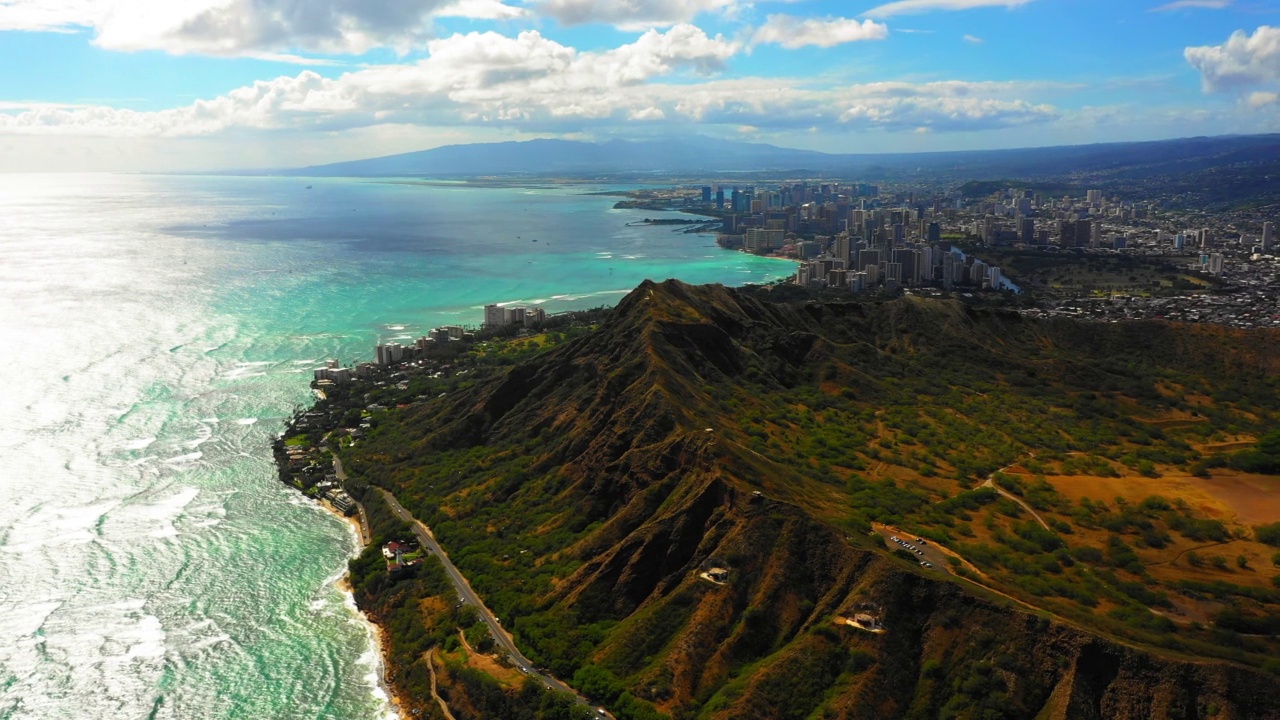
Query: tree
[[1242, 562], [1269, 534], [1219, 562]]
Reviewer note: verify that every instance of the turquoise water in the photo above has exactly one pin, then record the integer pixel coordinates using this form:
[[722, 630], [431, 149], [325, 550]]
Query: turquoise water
[[155, 332]]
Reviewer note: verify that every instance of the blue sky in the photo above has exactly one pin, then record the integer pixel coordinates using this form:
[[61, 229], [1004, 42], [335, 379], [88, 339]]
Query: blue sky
[[224, 84]]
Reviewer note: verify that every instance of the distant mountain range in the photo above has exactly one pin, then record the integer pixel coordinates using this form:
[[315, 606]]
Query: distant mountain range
[[702, 155]]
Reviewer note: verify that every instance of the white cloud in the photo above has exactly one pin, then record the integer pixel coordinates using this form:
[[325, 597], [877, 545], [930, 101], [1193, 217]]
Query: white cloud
[[1187, 4], [267, 29], [973, 39], [943, 106], [1243, 61], [793, 32], [912, 7], [630, 14], [48, 15], [530, 83], [1262, 99]]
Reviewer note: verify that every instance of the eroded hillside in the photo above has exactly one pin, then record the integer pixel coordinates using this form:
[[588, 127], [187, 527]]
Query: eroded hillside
[[587, 491]]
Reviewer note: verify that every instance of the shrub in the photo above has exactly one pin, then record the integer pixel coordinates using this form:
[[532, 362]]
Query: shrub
[[1269, 534]]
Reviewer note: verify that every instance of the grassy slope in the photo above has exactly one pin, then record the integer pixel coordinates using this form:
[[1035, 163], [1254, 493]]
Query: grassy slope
[[585, 488]]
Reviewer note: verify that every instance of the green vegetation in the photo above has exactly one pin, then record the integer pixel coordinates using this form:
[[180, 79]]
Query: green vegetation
[[579, 489], [1042, 271]]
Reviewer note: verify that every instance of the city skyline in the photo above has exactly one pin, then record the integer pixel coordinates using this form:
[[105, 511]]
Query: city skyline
[[139, 85]]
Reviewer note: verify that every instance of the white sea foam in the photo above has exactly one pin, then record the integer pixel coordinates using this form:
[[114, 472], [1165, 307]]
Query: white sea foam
[[139, 444], [246, 421], [51, 526], [28, 621], [238, 375], [189, 457], [161, 515], [205, 643]]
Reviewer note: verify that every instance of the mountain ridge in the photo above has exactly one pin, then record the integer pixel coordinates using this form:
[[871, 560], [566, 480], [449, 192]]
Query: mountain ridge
[[554, 157], [628, 459]]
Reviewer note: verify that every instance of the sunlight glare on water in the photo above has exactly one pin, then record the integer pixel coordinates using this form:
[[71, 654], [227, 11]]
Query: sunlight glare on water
[[155, 333]]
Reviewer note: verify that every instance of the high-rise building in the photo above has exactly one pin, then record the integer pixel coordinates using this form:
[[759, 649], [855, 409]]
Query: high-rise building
[[719, 198], [706, 194], [842, 249], [1268, 236], [1027, 231], [493, 316], [867, 258], [906, 259], [388, 353]]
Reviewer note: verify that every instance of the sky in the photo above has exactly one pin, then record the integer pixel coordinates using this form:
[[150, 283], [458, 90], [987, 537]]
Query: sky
[[216, 85]]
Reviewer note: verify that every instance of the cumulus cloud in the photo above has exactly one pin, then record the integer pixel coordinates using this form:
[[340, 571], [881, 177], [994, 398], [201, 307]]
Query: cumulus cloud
[[48, 15], [793, 32], [629, 14], [1244, 61], [254, 28], [534, 84], [1187, 4], [1262, 99], [948, 106], [913, 7]]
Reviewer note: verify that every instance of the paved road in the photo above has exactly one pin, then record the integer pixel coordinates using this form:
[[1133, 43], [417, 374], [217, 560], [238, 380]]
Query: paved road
[[470, 597], [366, 535]]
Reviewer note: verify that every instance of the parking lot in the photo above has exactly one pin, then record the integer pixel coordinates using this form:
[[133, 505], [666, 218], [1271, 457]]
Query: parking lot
[[924, 550]]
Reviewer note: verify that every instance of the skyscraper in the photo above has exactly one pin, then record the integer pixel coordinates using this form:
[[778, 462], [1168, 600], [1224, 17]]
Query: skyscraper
[[1268, 236]]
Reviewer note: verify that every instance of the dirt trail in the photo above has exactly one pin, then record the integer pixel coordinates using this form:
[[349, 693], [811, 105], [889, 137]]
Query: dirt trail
[[991, 483], [431, 665]]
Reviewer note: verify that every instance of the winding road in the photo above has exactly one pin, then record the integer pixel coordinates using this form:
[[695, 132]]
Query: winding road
[[469, 597]]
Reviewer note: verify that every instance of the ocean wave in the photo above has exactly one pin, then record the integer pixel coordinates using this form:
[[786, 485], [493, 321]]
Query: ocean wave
[[140, 443], [163, 514], [189, 457]]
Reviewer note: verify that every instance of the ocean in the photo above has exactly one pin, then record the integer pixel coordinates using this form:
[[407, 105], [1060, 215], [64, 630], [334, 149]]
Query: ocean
[[155, 332]]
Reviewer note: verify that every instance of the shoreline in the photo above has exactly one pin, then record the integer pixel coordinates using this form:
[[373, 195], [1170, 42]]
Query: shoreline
[[376, 633], [395, 702]]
